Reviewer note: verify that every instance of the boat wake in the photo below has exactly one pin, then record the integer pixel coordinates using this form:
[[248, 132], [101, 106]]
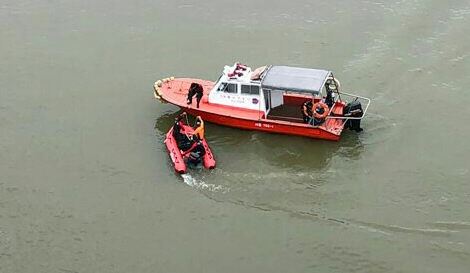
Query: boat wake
[[201, 185]]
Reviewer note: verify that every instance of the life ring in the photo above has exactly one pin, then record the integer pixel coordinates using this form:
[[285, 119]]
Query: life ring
[[331, 79], [322, 105], [337, 82]]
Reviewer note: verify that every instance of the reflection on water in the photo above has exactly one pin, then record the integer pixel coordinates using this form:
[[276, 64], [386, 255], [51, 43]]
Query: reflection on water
[[86, 184], [299, 154]]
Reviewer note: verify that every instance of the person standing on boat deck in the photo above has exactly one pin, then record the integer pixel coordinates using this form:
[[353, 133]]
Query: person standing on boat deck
[[329, 100], [307, 111], [199, 128], [195, 89]]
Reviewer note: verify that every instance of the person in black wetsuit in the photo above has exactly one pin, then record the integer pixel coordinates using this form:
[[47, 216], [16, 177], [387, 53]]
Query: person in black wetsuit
[[181, 139], [195, 89], [307, 111], [196, 152]]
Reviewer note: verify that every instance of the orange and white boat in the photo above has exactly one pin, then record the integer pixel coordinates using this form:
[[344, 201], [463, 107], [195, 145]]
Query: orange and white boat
[[269, 99]]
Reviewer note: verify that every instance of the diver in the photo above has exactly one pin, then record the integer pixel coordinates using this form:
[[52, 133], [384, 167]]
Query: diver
[[177, 125], [181, 139], [307, 111], [195, 89], [196, 153]]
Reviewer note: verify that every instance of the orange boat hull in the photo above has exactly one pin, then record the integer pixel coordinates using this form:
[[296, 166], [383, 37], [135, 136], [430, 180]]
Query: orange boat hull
[[177, 158], [175, 91]]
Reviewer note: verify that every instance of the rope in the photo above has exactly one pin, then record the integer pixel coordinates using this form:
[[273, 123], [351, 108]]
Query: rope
[[186, 116]]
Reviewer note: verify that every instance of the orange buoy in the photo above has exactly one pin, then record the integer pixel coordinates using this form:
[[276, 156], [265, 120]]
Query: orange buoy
[[320, 105]]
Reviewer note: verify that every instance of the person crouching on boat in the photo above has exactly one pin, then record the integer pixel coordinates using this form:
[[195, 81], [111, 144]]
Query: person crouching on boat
[[195, 89], [307, 111], [199, 128]]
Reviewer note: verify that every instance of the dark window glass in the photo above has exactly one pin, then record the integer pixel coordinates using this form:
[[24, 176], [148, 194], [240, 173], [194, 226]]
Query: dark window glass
[[228, 87], [250, 89], [222, 86], [231, 88]]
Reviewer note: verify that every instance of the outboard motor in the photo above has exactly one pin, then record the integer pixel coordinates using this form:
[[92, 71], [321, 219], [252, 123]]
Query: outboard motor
[[353, 109]]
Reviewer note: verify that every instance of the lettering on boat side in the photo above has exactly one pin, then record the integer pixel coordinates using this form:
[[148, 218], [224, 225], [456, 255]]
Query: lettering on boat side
[[254, 101], [236, 100], [264, 125]]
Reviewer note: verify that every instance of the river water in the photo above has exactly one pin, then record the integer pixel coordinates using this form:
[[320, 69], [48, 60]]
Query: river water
[[86, 184]]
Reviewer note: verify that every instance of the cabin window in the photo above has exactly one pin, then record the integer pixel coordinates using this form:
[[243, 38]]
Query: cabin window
[[250, 89], [228, 87]]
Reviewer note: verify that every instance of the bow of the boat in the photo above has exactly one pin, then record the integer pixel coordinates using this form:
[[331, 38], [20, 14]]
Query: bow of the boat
[[175, 90]]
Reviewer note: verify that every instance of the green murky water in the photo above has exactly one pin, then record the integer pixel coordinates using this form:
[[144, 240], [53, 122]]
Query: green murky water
[[86, 184]]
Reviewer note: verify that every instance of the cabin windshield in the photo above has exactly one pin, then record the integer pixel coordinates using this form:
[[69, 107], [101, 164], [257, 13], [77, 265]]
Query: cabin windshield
[[249, 89], [227, 87]]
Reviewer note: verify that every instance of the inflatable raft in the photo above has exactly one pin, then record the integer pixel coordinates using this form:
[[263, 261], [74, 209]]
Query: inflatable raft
[[178, 157]]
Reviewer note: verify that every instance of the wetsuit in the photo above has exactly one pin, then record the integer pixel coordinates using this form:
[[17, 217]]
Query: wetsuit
[[195, 89], [329, 100], [181, 139], [196, 153], [307, 107]]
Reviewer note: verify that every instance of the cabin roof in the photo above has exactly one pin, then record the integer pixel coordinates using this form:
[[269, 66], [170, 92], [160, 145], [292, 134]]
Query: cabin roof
[[297, 79]]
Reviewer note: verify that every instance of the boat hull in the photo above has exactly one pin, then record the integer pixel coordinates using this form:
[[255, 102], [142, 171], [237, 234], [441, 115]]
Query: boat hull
[[265, 125], [174, 91]]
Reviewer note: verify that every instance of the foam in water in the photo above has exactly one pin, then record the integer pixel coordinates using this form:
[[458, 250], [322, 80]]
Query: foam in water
[[201, 185]]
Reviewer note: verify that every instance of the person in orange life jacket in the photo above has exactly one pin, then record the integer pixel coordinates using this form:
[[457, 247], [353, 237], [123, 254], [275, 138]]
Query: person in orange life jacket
[[307, 111], [195, 89], [199, 128]]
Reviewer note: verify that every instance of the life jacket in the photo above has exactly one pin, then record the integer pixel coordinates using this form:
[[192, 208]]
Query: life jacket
[[199, 131]]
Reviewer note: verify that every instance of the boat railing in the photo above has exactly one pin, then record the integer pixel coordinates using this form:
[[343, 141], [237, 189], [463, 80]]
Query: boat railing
[[355, 97]]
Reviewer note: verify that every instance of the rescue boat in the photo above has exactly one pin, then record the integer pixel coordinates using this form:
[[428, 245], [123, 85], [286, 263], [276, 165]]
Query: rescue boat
[[269, 99], [179, 160]]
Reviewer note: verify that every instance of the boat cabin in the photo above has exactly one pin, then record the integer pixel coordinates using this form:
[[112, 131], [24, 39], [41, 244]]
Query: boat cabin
[[236, 88], [277, 92]]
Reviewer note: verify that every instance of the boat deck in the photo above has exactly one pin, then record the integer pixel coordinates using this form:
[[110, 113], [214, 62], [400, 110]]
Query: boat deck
[[286, 118], [286, 112], [177, 90], [293, 113]]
